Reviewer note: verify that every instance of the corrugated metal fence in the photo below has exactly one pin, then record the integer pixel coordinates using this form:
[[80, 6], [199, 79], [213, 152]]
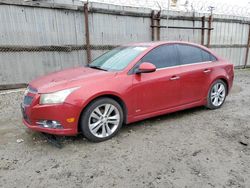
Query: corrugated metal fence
[[38, 38]]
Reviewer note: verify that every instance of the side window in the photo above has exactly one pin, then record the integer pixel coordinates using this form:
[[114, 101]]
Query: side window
[[206, 56], [162, 56], [191, 54]]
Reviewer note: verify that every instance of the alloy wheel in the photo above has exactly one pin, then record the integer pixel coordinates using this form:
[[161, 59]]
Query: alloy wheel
[[218, 94], [104, 120]]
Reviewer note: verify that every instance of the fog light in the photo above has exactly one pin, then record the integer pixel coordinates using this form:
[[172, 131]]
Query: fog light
[[49, 124]]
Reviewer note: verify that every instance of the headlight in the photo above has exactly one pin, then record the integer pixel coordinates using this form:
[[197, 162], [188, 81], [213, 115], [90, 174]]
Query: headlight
[[56, 97]]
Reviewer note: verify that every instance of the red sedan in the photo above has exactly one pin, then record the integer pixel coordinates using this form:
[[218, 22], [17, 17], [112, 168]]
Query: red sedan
[[127, 84]]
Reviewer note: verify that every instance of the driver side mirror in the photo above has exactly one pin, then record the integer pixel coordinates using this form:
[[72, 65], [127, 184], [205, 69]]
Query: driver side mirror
[[146, 67]]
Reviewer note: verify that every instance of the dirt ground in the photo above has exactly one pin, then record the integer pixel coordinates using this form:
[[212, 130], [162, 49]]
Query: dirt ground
[[194, 148]]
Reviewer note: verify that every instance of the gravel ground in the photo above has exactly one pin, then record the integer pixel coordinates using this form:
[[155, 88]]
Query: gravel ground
[[191, 148]]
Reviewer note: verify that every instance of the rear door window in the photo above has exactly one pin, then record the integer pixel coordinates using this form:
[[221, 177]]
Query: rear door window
[[191, 54]]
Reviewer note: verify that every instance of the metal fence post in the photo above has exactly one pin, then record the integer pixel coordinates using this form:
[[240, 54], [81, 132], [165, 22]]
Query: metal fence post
[[152, 25], [86, 16], [210, 18], [248, 46], [158, 23], [202, 29]]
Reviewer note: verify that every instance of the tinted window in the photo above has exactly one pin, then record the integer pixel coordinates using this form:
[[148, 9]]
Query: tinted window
[[191, 54], [162, 56], [206, 56]]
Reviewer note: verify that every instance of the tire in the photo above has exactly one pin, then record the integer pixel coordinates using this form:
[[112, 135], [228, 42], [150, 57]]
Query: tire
[[217, 92], [101, 120]]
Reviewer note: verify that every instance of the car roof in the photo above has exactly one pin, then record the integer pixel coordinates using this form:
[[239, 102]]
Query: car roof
[[157, 43], [154, 44]]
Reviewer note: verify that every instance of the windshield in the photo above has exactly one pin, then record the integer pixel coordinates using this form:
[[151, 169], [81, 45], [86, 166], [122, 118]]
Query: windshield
[[118, 58]]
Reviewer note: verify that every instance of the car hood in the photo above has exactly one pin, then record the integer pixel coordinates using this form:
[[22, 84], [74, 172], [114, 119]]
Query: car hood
[[68, 78]]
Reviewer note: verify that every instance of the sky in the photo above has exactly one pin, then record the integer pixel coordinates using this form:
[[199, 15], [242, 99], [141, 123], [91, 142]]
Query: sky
[[228, 7]]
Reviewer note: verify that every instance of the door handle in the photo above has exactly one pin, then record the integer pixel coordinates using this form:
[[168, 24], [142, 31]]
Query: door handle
[[207, 71], [174, 78]]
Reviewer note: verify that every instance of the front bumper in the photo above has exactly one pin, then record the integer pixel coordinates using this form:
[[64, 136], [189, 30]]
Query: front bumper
[[57, 112], [62, 132]]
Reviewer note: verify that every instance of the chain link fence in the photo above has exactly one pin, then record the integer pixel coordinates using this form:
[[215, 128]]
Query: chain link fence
[[39, 37]]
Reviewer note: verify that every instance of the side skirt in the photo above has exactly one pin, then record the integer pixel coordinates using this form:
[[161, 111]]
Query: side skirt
[[165, 111]]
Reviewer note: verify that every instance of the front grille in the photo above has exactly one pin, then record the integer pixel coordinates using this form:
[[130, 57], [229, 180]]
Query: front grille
[[27, 100], [25, 117], [32, 90]]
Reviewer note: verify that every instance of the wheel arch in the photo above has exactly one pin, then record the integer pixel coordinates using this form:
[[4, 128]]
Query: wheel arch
[[112, 96], [224, 79]]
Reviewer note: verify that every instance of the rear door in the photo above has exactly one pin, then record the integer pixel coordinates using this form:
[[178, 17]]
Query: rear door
[[196, 67], [158, 90]]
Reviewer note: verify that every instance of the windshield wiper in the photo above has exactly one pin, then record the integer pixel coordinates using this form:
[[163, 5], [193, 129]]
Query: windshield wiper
[[96, 67]]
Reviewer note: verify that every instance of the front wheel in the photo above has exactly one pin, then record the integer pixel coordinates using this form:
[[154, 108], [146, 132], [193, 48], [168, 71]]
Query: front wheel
[[101, 120], [217, 94]]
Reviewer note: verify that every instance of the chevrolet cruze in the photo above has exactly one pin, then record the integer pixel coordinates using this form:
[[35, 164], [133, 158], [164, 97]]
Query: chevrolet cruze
[[127, 84]]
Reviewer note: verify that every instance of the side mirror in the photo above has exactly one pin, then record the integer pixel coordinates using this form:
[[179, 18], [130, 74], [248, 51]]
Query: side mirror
[[146, 68]]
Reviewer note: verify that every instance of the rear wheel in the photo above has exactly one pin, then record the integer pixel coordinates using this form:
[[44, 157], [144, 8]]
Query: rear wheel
[[217, 94], [101, 120]]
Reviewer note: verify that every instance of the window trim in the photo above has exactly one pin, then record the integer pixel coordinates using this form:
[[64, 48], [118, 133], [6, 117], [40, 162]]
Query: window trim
[[203, 62]]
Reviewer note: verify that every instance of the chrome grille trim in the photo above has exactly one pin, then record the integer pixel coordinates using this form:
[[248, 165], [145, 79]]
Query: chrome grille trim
[[31, 90], [27, 100]]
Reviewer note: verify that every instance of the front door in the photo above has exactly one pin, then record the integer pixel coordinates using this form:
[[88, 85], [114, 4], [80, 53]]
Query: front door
[[158, 90]]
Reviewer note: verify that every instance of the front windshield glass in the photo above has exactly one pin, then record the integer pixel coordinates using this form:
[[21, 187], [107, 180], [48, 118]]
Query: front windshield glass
[[118, 58]]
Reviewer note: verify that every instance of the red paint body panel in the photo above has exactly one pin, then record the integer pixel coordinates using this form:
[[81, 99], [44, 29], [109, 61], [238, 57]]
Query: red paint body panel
[[144, 95], [155, 91]]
